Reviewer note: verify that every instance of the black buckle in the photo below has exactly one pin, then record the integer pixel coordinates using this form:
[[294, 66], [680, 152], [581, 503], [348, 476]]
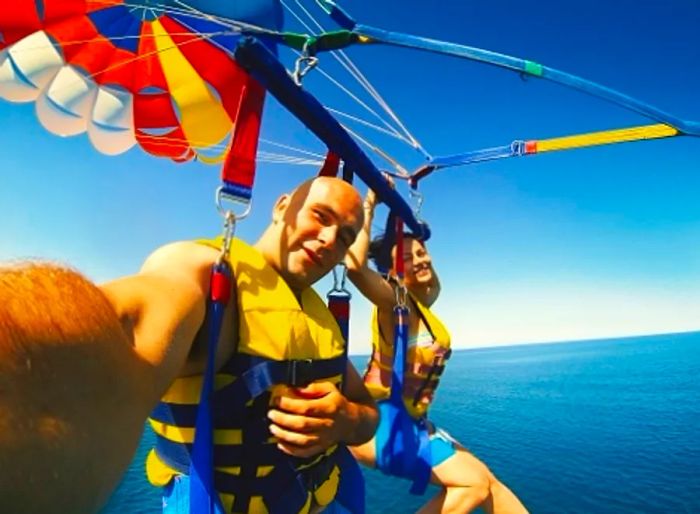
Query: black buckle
[[300, 372]]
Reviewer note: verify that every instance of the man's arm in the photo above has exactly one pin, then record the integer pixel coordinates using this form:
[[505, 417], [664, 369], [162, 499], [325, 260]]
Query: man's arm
[[81, 367], [309, 420], [74, 390], [364, 410], [163, 308]]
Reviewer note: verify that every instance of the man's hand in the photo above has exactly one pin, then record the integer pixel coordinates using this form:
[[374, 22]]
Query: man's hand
[[309, 420]]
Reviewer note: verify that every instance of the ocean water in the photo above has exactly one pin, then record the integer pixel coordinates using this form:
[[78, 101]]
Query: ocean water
[[609, 426]]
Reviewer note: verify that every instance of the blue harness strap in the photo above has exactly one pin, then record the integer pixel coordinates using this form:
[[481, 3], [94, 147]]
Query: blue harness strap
[[405, 449], [406, 452], [201, 472], [339, 305], [351, 487]]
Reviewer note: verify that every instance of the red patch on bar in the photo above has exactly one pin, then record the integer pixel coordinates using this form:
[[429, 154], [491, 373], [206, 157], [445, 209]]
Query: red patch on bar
[[530, 147]]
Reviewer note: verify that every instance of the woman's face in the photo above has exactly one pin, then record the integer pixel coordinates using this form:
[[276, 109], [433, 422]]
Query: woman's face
[[418, 267]]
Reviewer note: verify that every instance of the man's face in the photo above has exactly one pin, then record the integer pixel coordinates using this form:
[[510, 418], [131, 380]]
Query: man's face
[[319, 222]]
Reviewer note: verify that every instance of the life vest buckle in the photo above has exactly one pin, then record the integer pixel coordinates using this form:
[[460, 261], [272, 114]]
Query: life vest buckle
[[300, 372]]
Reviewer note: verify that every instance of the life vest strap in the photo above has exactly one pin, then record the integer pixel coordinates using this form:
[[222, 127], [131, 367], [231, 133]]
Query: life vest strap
[[178, 455], [257, 374], [180, 415], [283, 490]]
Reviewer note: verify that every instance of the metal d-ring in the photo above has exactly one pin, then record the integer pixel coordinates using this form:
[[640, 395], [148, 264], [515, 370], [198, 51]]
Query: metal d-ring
[[340, 285], [307, 60], [401, 294], [230, 218]]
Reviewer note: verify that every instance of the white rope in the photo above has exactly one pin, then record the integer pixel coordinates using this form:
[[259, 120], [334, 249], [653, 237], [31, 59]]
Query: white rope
[[190, 11], [380, 100], [360, 102], [343, 88], [366, 123], [399, 169], [274, 158], [292, 148], [355, 72]]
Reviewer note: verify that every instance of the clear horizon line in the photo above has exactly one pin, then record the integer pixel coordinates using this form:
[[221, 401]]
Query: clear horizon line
[[565, 341]]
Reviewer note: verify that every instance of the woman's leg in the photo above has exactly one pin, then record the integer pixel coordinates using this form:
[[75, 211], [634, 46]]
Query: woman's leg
[[467, 483]]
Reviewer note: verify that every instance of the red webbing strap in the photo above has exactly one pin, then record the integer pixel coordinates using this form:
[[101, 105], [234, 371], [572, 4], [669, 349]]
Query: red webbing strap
[[339, 305], [238, 173], [330, 165], [398, 258]]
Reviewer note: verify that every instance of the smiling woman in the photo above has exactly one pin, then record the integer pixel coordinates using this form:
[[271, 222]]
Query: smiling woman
[[410, 349]]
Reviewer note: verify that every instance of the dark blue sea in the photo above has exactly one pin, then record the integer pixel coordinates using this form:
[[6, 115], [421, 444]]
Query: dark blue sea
[[607, 427]]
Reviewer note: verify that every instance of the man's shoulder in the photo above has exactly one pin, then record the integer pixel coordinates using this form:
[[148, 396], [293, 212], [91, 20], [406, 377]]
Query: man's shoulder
[[179, 256]]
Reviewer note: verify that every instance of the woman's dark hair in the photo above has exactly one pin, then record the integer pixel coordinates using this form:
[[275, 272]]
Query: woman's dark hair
[[380, 250]]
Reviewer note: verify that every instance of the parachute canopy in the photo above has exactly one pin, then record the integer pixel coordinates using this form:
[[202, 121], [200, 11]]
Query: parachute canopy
[[154, 73]]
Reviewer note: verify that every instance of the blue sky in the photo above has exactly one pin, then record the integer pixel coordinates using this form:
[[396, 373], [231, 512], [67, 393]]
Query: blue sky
[[579, 244]]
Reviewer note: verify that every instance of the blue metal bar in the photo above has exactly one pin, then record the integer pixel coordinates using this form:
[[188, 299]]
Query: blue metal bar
[[486, 154], [529, 68], [266, 69], [523, 66]]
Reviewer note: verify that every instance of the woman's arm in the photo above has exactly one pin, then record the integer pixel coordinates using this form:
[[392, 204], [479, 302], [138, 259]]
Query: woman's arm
[[370, 283]]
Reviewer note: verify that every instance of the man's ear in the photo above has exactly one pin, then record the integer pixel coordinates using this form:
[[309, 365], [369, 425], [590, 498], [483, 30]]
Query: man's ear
[[280, 208]]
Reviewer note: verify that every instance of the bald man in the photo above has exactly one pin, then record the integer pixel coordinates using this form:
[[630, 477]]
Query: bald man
[[81, 367]]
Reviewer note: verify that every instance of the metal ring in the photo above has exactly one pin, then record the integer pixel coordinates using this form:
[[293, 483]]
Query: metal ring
[[221, 196], [340, 286], [307, 57], [401, 295], [517, 147], [229, 231]]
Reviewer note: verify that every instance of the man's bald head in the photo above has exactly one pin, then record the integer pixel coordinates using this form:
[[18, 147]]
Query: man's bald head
[[312, 228]]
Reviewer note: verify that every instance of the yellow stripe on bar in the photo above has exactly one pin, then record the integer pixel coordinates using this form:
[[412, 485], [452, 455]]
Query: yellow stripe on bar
[[607, 137], [204, 120]]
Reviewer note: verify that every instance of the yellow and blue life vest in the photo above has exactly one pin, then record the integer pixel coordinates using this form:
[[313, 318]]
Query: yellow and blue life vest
[[425, 362], [290, 345]]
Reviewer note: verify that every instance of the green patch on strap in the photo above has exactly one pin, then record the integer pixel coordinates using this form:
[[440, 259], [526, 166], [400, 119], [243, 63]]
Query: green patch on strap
[[533, 68], [294, 40]]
